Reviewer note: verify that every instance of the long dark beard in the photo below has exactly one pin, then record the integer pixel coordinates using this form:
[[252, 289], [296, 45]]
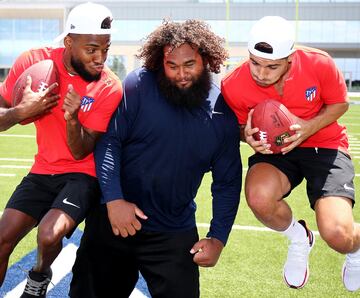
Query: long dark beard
[[192, 97], [79, 67]]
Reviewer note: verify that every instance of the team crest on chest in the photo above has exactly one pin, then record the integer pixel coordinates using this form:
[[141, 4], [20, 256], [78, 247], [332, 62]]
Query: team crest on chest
[[310, 93], [86, 103]]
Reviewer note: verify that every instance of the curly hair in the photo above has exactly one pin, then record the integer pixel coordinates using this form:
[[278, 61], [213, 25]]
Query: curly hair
[[194, 32]]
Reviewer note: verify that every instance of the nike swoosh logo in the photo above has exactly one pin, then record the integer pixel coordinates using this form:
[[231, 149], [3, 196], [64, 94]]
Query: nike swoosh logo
[[348, 187], [219, 113], [65, 201]]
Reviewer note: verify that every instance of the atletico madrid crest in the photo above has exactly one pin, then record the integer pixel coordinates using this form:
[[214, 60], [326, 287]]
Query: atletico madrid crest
[[86, 103], [310, 93]]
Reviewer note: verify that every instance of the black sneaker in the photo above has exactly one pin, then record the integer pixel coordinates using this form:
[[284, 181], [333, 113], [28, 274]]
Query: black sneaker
[[37, 283]]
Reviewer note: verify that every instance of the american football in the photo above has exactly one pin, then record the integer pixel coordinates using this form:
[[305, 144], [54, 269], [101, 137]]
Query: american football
[[43, 74], [273, 120]]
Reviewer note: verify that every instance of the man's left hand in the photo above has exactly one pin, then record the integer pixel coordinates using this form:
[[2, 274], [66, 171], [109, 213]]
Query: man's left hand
[[72, 103], [207, 252]]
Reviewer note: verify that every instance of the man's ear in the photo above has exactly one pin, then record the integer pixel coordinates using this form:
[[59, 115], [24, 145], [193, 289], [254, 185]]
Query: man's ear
[[68, 41], [289, 59]]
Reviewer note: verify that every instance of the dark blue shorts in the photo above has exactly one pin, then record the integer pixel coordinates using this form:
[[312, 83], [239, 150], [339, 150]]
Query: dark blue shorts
[[328, 172], [72, 193]]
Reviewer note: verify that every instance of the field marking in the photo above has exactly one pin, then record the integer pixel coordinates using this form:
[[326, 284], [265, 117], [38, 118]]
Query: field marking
[[350, 124], [247, 228], [60, 268], [18, 136], [17, 159], [7, 175], [14, 167], [16, 278]]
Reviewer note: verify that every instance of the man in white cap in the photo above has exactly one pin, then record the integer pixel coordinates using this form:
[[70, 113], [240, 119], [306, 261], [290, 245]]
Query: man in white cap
[[308, 83], [61, 186]]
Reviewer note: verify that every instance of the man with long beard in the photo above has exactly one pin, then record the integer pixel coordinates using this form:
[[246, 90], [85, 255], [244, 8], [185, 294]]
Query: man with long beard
[[61, 186], [171, 128]]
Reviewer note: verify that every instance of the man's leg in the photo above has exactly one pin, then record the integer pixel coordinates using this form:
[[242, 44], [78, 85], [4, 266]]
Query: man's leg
[[105, 265], [265, 186], [55, 225], [337, 228], [74, 193], [167, 265], [14, 225]]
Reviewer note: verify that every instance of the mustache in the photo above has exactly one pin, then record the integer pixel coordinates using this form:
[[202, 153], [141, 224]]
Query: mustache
[[190, 98]]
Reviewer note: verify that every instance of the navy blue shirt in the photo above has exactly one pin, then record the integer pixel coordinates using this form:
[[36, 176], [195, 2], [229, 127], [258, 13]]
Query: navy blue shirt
[[155, 155]]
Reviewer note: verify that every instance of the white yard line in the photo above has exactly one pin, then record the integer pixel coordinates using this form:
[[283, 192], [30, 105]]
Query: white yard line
[[17, 136], [14, 167], [350, 124], [246, 228], [17, 159]]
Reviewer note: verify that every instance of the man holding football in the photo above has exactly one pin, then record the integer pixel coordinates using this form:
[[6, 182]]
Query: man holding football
[[61, 186], [308, 83]]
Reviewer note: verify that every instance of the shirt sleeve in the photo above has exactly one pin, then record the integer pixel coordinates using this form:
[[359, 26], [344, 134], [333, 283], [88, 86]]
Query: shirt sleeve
[[231, 89], [108, 149], [227, 179], [333, 86], [109, 99]]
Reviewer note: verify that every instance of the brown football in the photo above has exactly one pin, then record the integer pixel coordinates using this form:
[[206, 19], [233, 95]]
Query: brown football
[[43, 74], [273, 120]]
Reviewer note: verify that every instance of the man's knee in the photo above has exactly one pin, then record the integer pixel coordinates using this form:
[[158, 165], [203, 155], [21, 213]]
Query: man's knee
[[339, 237]]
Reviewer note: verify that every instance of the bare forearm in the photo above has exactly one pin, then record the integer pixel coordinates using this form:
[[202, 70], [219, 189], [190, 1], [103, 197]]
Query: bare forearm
[[80, 142], [328, 115], [242, 133], [8, 118]]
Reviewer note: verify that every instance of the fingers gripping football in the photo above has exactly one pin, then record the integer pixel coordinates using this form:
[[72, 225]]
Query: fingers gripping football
[[36, 104], [35, 91], [273, 121]]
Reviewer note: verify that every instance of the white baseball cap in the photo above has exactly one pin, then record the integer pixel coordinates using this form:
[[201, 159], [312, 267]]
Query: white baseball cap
[[275, 31], [87, 18]]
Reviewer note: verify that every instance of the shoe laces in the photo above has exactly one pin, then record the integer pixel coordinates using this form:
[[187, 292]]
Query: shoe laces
[[299, 250], [36, 288], [353, 260]]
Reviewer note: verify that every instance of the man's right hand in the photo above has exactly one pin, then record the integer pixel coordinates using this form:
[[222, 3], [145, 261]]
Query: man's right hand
[[36, 103], [123, 217], [258, 146]]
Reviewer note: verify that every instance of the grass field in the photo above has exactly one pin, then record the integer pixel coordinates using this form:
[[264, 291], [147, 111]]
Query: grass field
[[251, 264]]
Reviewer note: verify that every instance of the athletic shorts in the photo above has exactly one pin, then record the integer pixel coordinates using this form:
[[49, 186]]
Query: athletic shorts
[[108, 266], [328, 172], [73, 193]]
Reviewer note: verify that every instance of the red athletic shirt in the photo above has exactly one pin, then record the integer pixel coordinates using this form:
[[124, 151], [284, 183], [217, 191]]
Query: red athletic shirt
[[99, 100], [313, 81]]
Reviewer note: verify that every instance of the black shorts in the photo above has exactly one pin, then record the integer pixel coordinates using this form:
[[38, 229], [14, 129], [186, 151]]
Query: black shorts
[[108, 266], [328, 172], [73, 193]]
